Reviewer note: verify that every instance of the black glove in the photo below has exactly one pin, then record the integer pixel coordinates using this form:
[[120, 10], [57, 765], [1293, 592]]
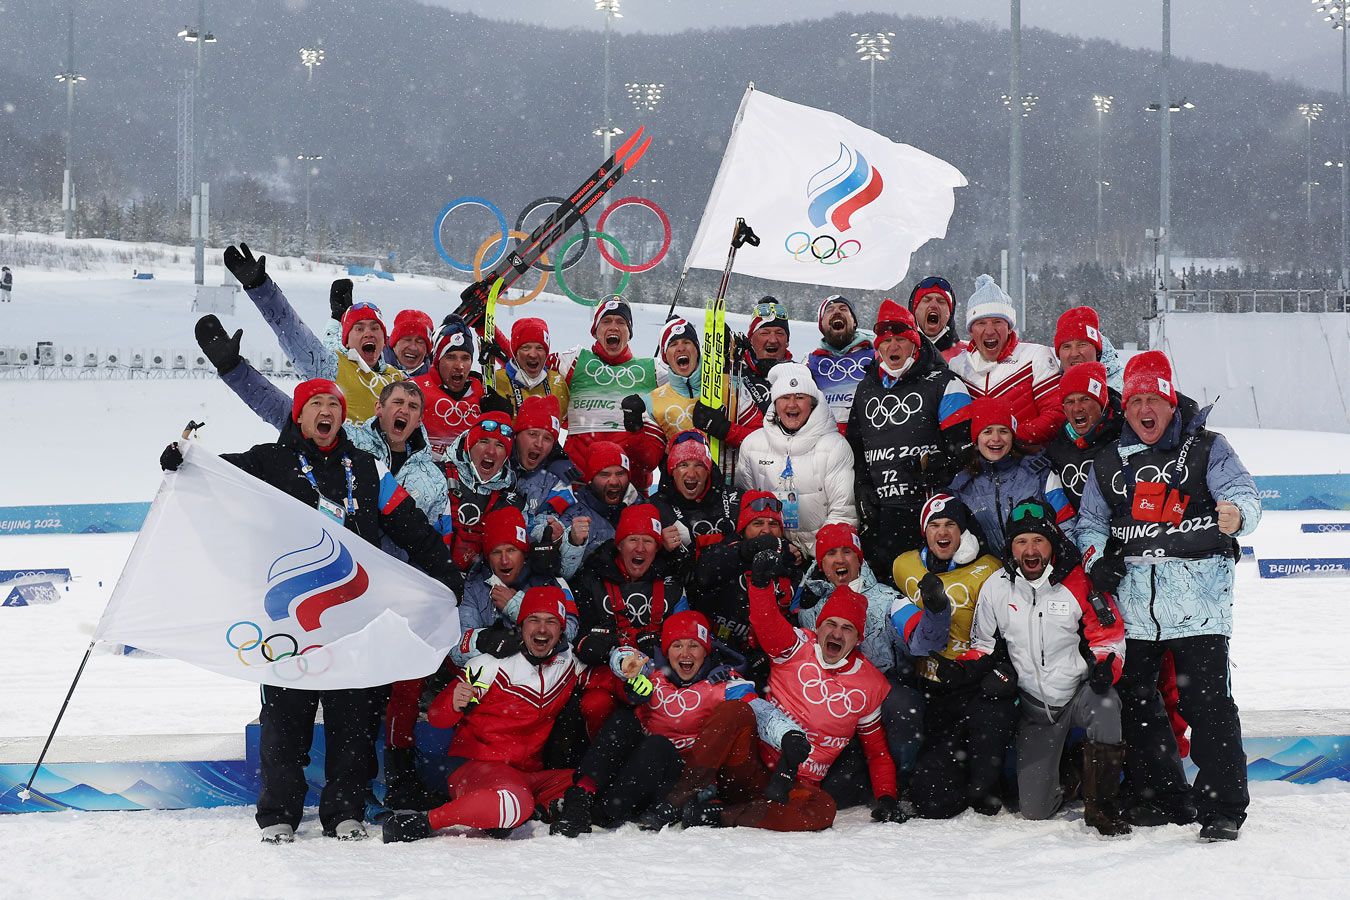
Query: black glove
[[649, 644], [765, 568], [713, 422], [952, 671], [633, 411], [340, 297], [498, 641], [494, 402], [546, 559], [250, 272], [1001, 682], [1103, 676], [752, 547], [888, 809], [594, 647], [219, 347], [171, 458], [933, 593], [1107, 574], [757, 666]]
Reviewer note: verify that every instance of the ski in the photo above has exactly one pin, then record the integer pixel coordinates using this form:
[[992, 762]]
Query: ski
[[712, 366], [473, 300], [489, 350]]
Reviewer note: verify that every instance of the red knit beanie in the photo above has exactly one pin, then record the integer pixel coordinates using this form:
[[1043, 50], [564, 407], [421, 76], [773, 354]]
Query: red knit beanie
[[603, 455], [1149, 372], [834, 536], [502, 433], [528, 331], [894, 319], [641, 519], [548, 599], [687, 625], [505, 526], [1079, 324], [847, 604], [359, 312], [986, 411], [410, 323], [1085, 378], [307, 390], [748, 514], [539, 412], [689, 445]]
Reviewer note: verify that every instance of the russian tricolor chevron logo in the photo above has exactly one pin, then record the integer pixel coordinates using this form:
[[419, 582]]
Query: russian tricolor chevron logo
[[842, 188], [307, 582]]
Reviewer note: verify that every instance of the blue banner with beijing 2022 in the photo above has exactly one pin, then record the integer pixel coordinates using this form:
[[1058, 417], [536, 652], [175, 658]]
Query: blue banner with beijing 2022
[[1295, 492], [77, 518]]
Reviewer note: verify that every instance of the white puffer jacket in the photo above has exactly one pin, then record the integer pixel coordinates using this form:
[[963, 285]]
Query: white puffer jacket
[[822, 466]]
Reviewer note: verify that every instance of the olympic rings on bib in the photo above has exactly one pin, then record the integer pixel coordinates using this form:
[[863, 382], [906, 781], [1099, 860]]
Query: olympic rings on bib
[[478, 270], [440, 223], [665, 234], [541, 264], [562, 253], [823, 248]]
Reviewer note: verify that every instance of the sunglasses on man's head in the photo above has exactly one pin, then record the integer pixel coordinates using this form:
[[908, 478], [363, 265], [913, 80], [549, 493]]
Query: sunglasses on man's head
[[770, 311], [766, 504], [685, 436]]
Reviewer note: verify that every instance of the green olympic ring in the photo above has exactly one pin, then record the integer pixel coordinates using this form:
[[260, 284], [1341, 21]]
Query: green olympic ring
[[562, 254]]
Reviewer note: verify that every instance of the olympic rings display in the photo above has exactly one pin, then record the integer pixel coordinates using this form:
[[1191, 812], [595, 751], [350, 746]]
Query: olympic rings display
[[502, 299], [836, 253], [445, 213], [301, 661], [246, 646], [567, 245], [665, 234], [541, 264]]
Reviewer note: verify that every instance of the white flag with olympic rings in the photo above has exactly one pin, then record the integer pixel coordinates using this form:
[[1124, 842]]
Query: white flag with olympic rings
[[234, 576], [832, 202]]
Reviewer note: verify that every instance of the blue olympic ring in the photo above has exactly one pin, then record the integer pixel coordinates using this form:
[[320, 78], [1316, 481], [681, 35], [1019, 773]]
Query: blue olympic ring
[[451, 207], [833, 256]]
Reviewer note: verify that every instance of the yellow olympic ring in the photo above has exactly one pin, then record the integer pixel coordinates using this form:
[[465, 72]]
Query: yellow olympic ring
[[478, 269]]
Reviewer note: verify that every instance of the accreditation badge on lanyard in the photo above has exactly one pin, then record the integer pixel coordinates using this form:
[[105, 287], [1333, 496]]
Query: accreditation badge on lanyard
[[331, 508]]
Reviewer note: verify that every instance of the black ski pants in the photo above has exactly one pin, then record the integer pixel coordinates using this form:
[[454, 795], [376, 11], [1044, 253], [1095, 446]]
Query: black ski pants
[[631, 769], [966, 737]]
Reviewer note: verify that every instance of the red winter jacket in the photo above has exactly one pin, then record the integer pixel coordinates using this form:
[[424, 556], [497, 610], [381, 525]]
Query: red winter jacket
[[1027, 376]]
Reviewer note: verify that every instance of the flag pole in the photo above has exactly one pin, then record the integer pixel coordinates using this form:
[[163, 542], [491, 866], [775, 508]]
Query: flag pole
[[717, 183], [27, 791]]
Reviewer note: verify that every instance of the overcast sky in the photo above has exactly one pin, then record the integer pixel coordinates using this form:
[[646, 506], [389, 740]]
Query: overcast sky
[[1284, 37]]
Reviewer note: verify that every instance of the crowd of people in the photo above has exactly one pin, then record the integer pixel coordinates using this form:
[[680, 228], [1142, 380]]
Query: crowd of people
[[927, 572]]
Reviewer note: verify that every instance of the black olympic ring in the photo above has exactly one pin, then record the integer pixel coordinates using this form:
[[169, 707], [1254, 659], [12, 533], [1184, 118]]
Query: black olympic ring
[[537, 265]]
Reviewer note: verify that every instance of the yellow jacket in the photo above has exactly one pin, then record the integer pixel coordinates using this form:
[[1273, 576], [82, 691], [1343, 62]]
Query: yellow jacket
[[963, 587]]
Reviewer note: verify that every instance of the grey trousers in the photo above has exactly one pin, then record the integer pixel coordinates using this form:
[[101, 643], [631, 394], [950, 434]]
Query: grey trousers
[[1040, 743]]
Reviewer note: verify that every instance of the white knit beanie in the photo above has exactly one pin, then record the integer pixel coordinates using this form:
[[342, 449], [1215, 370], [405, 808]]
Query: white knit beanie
[[792, 378], [990, 302]]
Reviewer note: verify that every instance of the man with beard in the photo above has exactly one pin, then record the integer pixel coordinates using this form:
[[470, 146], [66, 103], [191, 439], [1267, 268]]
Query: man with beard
[[844, 355], [502, 711], [479, 481], [544, 474], [611, 395], [768, 346], [454, 392], [932, 303], [1093, 420], [357, 366], [315, 462], [704, 508], [907, 423], [527, 373], [601, 499]]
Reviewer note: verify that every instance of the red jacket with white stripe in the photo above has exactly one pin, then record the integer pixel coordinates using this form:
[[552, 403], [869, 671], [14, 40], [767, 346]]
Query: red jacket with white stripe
[[1045, 626], [1027, 376]]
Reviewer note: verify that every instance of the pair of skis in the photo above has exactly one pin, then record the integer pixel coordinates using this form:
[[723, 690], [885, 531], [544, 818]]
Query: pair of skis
[[475, 298], [716, 386]]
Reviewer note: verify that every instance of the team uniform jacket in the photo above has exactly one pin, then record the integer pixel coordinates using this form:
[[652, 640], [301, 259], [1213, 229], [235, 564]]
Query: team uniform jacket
[[964, 586], [511, 382], [477, 611], [839, 372], [706, 520], [634, 609], [1070, 455], [360, 383], [1027, 376], [1046, 626], [752, 396], [445, 415], [718, 587], [677, 711], [992, 493], [830, 703], [472, 498]]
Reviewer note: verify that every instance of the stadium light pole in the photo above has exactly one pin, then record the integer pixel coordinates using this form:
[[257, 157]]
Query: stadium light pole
[[1102, 102], [1167, 110], [611, 10], [309, 159], [872, 47], [1310, 113], [69, 78], [1015, 166], [645, 95], [1334, 13], [201, 203], [311, 58]]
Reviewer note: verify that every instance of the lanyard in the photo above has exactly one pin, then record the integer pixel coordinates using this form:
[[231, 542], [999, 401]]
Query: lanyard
[[308, 471]]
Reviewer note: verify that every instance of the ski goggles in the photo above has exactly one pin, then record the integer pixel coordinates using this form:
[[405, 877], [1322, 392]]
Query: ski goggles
[[770, 309], [897, 329], [1030, 509], [366, 304], [765, 504], [492, 426], [934, 281], [686, 436]]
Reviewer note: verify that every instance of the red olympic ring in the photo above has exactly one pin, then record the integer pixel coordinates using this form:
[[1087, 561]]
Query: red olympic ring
[[665, 231]]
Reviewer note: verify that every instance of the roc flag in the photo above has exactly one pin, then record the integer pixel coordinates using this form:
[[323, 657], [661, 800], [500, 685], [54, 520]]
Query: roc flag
[[232, 575], [833, 203]]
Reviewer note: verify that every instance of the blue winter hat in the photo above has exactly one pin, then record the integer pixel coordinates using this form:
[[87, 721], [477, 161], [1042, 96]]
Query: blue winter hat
[[990, 302]]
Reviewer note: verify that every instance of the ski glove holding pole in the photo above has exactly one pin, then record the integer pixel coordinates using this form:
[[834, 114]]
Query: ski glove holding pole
[[250, 272]]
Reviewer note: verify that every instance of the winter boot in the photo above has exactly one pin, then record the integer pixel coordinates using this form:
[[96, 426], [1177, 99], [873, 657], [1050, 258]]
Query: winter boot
[[403, 787], [405, 826], [281, 833], [658, 816], [796, 748], [348, 830], [1219, 828], [701, 812], [695, 781], [574, 815], [1101, 788], [1151, 813]]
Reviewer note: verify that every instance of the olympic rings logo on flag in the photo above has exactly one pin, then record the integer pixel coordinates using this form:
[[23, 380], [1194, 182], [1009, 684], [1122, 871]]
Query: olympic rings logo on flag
[[296, 662], [823, 248], [565, 258]]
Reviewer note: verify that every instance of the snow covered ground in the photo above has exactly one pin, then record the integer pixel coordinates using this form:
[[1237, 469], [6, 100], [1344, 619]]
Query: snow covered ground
[[96, 441]]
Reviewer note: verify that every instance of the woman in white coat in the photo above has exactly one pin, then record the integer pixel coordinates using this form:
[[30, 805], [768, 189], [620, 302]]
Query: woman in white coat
[[800, 455]]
